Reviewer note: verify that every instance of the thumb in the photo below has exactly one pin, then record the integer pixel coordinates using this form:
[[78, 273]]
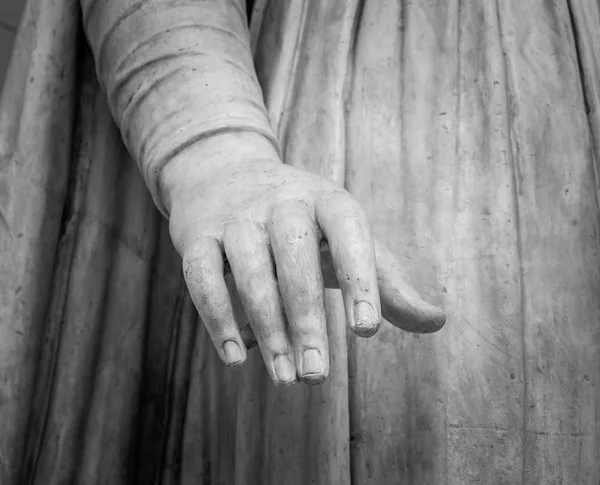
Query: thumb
[[401, 305]]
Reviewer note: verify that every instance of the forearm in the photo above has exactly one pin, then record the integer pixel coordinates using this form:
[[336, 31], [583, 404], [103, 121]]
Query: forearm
[[176, 74]]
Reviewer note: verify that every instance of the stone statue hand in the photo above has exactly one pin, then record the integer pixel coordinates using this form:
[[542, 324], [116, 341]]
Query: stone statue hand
[[285, 234]]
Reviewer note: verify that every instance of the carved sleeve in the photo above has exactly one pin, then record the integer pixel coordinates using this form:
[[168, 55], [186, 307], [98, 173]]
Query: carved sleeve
[[175, 72]]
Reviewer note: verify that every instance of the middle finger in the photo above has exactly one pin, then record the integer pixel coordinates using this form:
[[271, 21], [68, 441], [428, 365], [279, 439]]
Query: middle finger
[[295, 245]]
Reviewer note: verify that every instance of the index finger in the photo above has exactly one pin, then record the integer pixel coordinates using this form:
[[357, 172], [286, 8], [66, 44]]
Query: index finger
[[401, 304], [347, 232]]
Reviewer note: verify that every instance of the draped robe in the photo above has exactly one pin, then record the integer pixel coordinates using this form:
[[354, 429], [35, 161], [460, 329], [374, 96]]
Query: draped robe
[[470, 133]]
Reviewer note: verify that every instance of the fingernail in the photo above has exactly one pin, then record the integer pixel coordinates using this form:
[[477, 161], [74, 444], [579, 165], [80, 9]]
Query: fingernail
[[312, 363], [365, 319], [233, 353], [285, 371]]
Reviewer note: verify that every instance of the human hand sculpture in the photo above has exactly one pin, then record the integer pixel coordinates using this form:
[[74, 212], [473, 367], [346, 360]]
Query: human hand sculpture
[[181, 86], [286, 234]]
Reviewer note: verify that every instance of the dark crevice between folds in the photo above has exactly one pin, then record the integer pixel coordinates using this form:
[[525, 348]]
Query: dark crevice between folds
[[355, 437], [249, 7], [576, 34], [595, 137], [78, 171], [514, 160]]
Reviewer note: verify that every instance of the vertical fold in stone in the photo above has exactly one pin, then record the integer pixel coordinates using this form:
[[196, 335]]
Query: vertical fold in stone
[[36, 122], [92, 410], [433, 172], [485, 379], [552, 151], [585, 22]]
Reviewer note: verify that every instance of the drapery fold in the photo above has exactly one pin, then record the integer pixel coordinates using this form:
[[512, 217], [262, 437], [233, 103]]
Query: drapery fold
[[469, 132]]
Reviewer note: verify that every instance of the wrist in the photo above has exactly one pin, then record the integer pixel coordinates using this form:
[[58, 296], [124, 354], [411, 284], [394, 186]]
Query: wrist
[[210, 161]]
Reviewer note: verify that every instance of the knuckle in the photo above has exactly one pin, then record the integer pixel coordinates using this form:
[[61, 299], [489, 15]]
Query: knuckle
[[309, 333], [242, 231], [297, 234], [269, 329], [303, 295], [298, 207], [197, 271], [217, 329], [342, 207], [257, 301], [254, 270]]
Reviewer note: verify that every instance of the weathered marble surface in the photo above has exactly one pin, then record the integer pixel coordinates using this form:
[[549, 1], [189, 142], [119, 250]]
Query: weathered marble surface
[[470, 134]]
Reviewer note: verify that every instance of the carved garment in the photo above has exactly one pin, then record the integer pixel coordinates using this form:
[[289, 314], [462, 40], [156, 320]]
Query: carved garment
[[468, 130]]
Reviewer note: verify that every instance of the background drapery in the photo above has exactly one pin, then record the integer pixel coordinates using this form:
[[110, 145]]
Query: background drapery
[[470, 134]]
